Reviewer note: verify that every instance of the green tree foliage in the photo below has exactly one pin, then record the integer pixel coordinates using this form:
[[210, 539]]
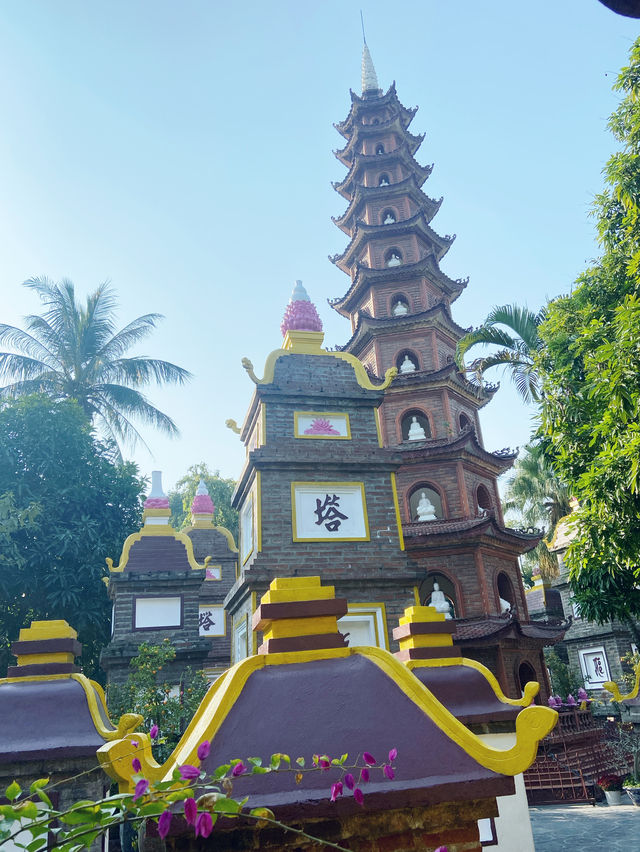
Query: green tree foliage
[[66, 506], [564, 681], [145, 692], [220, 491], [73, 351], [538, 499], [591, 384], [514, 330]]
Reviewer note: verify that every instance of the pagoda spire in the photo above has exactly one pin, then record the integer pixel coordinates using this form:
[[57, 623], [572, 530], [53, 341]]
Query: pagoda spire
[[369, 76]]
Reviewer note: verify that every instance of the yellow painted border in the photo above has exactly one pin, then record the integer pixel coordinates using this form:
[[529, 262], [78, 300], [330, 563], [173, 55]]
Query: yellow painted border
[[378, 426], [396, 506], [237, 622], [224, 622], [257, 487], [155, 531], [343, 414], [242, 531], [222, 530], [213, 579], [331, 486], [373, 608], [253, 633], [613, 688], [532, 723], [263, 424], [416, 595]]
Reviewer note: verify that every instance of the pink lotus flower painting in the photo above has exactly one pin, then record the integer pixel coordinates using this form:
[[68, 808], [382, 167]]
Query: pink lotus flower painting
[[321, 426]]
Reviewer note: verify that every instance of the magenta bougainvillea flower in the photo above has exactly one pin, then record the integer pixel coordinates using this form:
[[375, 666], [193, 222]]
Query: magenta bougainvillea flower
[[441, 849], [358, 795], [369, 758], [203, 750], [204, 824], [393, 754], [141, 788], [164, 824], [336, 790], [350, 781], [238, 769], [153, 733], [388, 771], [137, 766], [364, 774], [324, 764], [188, 772], [190, 811]]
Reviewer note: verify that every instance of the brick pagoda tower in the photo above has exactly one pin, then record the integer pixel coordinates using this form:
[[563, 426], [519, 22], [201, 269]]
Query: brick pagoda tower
[[399, 304]]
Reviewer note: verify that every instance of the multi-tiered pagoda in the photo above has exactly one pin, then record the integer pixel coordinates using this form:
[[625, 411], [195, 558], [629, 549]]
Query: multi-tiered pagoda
[[399, 304]]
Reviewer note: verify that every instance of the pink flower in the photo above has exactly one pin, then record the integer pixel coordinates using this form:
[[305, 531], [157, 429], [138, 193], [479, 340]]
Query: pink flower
[[142, 787], [324, 764], [137, 766], [388, 771], [238, 769], [441, 849], [358, 795], [203, 750], [134, 743], [393, 754], [190, 811], [364, 774], [350, 781], [204, 824], [188, 772], [164, 823], [369, 758], [153, 733], [336, 790]]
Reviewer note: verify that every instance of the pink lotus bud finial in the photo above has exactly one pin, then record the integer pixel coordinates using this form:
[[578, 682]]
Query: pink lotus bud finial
[[202, 503], [157, 499], [300, 314]]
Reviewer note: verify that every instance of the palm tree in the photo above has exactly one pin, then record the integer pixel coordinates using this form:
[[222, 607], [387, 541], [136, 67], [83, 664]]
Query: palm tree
[[540, 499], [517, 349], [73, 351]]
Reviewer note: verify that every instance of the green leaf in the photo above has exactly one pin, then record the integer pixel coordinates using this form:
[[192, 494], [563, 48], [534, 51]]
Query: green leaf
[[225, 805], [36, 845], [255, 761], [300, 761], [27, 810], [260, 770], [263, 813], [13, 791], [221, 771], [38, 785]]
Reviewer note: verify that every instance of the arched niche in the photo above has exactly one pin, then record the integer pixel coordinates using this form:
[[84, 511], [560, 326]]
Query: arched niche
[[506, 593], [388, 216], [464, 422], [431, 494], [525, 674], [407, 361], [383, 179], [446, 586], [380, 148], [483, 499], [393, 257], [399, 305], [407, 422]]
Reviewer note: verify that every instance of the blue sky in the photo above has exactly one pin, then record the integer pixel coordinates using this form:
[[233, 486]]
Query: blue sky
[[183, 151]]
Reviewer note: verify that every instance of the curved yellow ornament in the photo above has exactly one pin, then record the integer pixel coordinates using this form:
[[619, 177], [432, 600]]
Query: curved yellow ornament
[[231, 424], [612, 687]]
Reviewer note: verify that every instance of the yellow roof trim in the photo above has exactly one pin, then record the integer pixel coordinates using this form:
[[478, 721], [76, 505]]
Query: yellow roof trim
[[155, 531], [613, 688]]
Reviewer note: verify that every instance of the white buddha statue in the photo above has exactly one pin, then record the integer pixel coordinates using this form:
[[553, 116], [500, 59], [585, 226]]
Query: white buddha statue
[[426, 511], [439, 601], [400, 309], [389, 219], [505, 606], [416, 432], [394, 259], [407, 365]]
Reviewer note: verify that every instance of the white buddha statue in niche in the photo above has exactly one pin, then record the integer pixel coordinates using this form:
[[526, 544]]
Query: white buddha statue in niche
[[416, 431], [407, 365], [426, 511], [400, 308], [439, 601]]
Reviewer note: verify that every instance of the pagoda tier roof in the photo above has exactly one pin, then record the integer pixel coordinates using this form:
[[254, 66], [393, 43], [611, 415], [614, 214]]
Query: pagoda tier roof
[[491, 627], [366, 277], [362, 161], [407, 187], [466, 444], [363, 105], [364, 233], [366, 131], [445, 533], [437, 316], [447, 376]]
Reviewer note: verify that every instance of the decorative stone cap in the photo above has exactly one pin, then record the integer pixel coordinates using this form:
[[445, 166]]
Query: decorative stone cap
[[299, 614], [202, 508], [300, 314], [424, 634], [45, 648], [156, 506]]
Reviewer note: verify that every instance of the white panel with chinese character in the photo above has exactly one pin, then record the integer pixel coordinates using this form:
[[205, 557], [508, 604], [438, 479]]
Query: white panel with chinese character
[[211, 620], [365, 625], [595, 667], [326, 511]]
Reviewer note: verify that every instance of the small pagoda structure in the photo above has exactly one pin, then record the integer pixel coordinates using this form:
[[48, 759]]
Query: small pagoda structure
[[399, 305]]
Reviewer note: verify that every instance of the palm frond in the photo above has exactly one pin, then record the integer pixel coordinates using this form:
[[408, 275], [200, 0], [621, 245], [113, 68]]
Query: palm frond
[[485, 335], [20, 367], [24, 342], [142, 370], [136, 405], [128, 336]]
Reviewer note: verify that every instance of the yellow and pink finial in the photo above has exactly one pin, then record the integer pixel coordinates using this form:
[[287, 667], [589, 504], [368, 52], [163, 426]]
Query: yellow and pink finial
[[202, 508], [156, 506], [300, 314]]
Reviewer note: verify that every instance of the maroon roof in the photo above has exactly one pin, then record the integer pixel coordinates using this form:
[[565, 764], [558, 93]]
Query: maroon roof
[[466, 693], [158, 553], [469, 630]]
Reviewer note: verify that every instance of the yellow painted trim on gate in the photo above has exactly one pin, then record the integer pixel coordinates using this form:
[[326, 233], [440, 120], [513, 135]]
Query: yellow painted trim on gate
[[39, 659], [285, 628], [147, 531], [613, 688], [396, 506], [378, 426]]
